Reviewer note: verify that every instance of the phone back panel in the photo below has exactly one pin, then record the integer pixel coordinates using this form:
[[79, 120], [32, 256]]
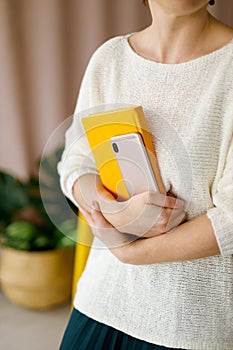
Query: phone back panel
[[134, 163]]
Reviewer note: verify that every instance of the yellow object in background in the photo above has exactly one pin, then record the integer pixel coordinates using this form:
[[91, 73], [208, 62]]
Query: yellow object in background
[[84, 241]]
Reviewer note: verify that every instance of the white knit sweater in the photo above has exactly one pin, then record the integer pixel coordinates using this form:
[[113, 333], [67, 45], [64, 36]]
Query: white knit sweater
[[189, 109]]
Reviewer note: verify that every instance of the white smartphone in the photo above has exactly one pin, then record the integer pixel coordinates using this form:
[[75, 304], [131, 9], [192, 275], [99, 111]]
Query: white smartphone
[[134, 163]]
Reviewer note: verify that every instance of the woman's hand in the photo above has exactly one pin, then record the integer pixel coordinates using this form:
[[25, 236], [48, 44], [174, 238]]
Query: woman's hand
[[146, 214], [102, 229], [126, 248]]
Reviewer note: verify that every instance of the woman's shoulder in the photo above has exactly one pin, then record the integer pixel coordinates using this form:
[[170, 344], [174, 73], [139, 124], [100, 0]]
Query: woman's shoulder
[[110, 49]]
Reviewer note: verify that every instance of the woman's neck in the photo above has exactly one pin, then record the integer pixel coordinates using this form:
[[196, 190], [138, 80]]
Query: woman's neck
[[174, 38], [177, 37]]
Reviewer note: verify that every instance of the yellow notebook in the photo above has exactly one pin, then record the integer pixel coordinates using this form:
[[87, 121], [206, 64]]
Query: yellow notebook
[[100, 127]]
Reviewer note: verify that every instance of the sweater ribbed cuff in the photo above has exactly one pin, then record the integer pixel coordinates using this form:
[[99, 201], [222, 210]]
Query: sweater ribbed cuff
[[223, 230]]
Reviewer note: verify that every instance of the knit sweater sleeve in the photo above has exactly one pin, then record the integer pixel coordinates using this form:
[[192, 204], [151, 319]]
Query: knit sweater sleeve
[[221, 215], [77, 159]]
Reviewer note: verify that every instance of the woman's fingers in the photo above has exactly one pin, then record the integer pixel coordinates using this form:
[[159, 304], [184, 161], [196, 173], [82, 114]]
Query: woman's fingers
[[99, 220], [142, 220], [176, 218], [102, 229], [154, 220], [86, 215], [161, 200], [168, 219], [95, 218]]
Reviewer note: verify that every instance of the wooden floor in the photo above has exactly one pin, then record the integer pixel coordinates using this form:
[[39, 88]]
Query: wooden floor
[[22, 329]]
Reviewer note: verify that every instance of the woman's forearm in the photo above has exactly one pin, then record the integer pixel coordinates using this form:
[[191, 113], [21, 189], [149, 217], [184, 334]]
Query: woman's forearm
[[192, 240]]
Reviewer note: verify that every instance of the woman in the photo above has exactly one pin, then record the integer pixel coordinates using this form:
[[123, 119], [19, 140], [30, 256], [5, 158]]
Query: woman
[[175, 288]]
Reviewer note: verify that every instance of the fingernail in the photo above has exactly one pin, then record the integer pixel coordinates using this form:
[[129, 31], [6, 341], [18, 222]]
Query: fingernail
[[95, 205]]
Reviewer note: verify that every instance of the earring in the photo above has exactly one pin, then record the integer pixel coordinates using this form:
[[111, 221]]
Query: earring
[[211, 2]]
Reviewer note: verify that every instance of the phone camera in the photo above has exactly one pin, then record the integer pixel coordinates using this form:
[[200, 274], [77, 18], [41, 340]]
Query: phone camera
[[115, 147]]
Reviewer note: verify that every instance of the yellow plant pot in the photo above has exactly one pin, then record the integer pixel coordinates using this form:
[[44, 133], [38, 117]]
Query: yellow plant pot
[[37, 280]]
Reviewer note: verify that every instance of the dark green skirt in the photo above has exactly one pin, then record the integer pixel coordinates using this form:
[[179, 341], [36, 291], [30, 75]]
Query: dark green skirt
[[83, 333]]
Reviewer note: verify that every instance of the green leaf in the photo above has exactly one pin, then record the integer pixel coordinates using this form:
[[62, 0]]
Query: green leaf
[[21, 230]]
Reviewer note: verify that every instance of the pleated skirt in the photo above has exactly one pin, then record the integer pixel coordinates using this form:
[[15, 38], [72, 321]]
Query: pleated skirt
[[84, 333]]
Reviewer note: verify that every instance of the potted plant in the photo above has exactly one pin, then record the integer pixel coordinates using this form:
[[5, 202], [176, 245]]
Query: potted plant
[[37, 243]]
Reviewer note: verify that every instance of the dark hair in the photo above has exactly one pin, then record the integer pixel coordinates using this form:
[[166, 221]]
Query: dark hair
[[211, 2]]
